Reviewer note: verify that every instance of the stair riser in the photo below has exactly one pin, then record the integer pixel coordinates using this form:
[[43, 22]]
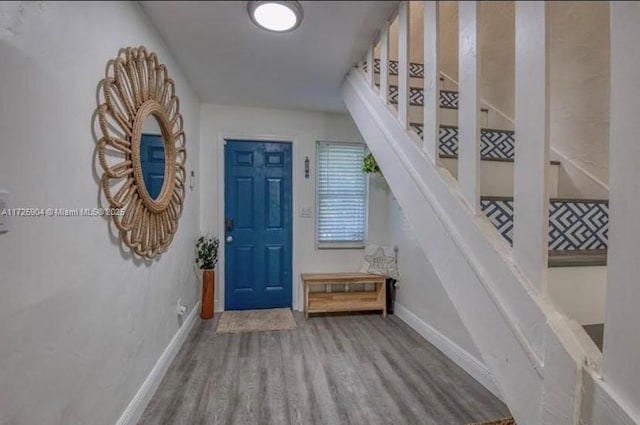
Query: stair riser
[[494, 144], [448, 99], [416, 70], [572, 225]]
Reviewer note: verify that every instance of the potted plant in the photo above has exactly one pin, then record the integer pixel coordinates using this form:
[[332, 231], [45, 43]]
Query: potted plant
[[207, 258], [370, 167], [369, 164]]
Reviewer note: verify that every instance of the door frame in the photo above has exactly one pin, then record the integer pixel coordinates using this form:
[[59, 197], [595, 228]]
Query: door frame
[[295, 290]]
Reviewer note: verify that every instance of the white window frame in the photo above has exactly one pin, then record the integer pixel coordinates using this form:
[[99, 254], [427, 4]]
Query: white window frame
[[338, 244]]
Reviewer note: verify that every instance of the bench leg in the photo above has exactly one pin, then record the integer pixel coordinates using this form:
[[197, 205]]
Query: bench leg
[[306, 301], [383, 289]]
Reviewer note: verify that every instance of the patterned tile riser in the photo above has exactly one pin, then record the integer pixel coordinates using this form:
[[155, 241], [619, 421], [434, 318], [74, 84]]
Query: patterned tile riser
[[416, 70], [573, 225], [494, 144], [448, 99]]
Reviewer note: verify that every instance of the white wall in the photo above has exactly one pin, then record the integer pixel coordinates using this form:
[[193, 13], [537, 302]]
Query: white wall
[[421, 291], [81, 323], [303, 129], [579, 78]]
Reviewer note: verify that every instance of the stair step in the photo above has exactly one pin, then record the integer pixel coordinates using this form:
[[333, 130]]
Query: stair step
[[578, 258], [488, 158], [574, 224]]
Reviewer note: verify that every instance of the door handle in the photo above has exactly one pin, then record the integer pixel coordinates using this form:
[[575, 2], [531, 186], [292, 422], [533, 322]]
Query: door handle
[[229, 239]]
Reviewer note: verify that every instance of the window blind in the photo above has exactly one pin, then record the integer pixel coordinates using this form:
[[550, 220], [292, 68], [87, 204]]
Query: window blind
[[341, 189]]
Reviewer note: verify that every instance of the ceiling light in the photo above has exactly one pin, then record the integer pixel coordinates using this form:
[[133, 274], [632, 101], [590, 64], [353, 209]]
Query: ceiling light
[[276, 16]]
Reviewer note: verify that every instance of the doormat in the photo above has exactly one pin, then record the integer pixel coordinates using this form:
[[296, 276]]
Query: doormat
[[503, 421], [277, 319]]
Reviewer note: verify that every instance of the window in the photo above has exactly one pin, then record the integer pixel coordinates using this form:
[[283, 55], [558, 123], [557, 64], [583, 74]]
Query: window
[[341, 190]]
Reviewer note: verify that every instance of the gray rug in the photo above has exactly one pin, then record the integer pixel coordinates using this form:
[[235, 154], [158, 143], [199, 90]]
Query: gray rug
[[278, 319]]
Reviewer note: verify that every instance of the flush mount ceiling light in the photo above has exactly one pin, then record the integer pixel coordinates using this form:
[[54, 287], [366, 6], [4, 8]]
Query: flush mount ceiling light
[[276, 16]]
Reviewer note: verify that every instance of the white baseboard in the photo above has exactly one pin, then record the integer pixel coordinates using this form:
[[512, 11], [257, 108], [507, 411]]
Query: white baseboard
[[453, 351], [135, 409]]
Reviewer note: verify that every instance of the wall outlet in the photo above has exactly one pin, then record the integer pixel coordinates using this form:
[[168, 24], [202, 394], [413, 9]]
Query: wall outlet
[[181, 309], [4, 215]]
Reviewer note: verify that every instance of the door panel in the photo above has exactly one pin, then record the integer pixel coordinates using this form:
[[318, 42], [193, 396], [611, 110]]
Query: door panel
[[274, 278], [258, 217], [273, 204], [244, 212]]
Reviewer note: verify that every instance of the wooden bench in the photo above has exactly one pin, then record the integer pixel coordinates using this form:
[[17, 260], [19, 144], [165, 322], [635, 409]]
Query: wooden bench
[[328, 301]]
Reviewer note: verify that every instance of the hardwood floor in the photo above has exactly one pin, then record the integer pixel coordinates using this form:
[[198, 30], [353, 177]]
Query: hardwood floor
[[334, 370]]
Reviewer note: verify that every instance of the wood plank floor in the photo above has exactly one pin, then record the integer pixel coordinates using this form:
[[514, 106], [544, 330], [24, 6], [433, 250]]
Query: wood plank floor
[[332, 370]]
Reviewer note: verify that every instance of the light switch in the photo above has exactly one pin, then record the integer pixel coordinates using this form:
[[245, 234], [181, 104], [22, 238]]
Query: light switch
[[4, 215], [305, 212]]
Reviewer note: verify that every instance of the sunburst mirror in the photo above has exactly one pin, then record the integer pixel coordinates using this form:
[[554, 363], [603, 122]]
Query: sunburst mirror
[[142, 151]]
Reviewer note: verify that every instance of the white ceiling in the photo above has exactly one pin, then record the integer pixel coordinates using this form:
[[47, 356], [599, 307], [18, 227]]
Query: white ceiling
[[229, 60]]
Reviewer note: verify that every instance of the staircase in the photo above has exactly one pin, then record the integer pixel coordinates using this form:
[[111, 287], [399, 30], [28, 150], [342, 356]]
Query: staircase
[[525, 317], [577, 227]]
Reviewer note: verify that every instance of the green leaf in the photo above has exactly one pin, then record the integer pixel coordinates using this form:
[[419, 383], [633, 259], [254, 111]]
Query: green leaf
[[207, 251], [369, 164]]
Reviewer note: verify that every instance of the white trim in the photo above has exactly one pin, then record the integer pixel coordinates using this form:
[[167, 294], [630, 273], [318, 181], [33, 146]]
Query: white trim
[[296, 303], [608, 406], [135, 409], [403, 63], [431, 90], [469, 73], [453, 351], [370, 64], [384, 63]]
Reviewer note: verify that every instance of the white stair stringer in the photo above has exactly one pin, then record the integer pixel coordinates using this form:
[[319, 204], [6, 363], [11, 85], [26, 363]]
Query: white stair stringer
[[516, 331]]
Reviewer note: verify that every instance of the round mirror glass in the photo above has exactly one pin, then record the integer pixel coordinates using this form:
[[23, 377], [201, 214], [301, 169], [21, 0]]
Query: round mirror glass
[[152, 156]]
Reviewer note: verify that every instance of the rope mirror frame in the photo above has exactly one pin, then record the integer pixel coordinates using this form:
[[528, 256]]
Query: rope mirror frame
[[136, 86]]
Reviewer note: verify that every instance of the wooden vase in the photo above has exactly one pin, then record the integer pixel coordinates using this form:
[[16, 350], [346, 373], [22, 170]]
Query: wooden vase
[[208, 288]]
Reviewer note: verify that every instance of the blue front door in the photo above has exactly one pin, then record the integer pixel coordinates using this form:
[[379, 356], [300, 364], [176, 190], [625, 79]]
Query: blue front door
[[258, 202]]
